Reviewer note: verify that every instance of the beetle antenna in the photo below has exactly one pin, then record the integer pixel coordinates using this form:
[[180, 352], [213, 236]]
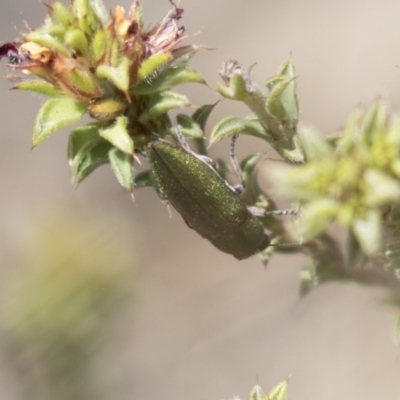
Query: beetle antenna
[[236, 167], [289, 211], [300, 243], [261, 212]]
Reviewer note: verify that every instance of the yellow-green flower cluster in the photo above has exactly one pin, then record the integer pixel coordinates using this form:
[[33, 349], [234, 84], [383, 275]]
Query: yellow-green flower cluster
[[110, 66], [352, 178]]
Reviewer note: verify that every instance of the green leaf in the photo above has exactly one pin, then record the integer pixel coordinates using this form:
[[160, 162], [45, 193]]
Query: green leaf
[[99, 44], [166, 79], [161, 103], [144, 179], [252, 190], [355, 255], [315, 218], [40, 87], [257, 393], [375, 121], [183, 54], [101, 11], [45, 39], [87, 18], [106, 109], [83, 83], [279, 392], [118, 135], [76, 39], [315, 147], [201, 114], [190, 128], [55, 114], [308, 277], [87, 150], [223, 168], [235, 126], [287, 69], [266, 255], [62, 14], [150, 66], [282, 101], [237, 89], [82, 138], [81, 8], [122, 165], [119, 75], [248, 167], [91, 159], [380, 188], [368, 231]]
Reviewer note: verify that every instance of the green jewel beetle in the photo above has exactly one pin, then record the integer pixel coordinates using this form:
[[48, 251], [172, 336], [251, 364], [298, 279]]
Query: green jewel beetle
[[205, 201]]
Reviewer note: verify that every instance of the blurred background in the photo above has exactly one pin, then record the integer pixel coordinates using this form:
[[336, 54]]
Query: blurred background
[[112, 299]]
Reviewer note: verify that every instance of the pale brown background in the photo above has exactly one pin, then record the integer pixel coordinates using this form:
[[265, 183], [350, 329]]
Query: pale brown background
[[205, 326]]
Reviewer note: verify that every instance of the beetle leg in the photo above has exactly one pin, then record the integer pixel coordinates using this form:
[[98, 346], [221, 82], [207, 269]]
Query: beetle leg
[[239, 189]]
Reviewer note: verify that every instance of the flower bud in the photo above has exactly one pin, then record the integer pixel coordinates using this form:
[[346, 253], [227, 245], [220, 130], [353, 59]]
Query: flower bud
[[106, 110], [73, 77]]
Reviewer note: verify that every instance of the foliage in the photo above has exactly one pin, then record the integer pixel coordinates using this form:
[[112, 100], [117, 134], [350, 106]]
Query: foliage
[[123, 75]]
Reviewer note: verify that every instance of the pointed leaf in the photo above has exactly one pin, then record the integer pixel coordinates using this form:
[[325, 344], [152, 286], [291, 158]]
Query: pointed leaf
[[99, 44], [287, 69], [122, 165], [167, 79], [101, 11], [248, 167], [257, 393], [315, 147], [77, 40], [91, 159], [252, 190], [163, 102], [315, 218], [119, 75], [282, 101], [82, 138], [81, 82], [201, 114], [87, 150], [368, 232], [40, 87], [235, 126], [45, 39], [144, 179], [183, 54], [275, 81], [189, 127], [62, 14], [106, 109], [55, 114], [87, 19], [237, 89], [380, 188], [355, 255], [266, 255], [308, 277], [279, 392], [150, 67], [118, 135]]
